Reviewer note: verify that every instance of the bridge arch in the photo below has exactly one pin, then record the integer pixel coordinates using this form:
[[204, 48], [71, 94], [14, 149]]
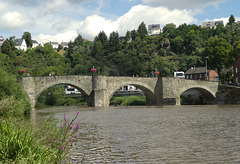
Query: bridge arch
[[84, 94], [34, 86], [146, 86], [197, 95]]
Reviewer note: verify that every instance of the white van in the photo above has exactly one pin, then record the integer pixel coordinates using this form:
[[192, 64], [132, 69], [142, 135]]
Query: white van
[[179, 74]]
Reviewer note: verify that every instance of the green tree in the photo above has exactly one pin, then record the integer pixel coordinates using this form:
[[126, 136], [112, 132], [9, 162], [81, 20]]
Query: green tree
[[78, 41], [60, 47], [13, 100], [102, 37], [231, 20], [114, 42], [220, 54], [6, 47], [28, 38], [128, 36], [169, 30], [142, 30]]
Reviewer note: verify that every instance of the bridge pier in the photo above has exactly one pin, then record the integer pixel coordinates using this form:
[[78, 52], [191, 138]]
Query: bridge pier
[[99, 91]]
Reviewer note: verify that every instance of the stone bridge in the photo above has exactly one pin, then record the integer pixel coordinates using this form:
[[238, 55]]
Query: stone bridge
[[98, 90]]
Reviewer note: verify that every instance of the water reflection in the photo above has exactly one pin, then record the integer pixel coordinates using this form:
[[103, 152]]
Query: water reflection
[[169, 134]]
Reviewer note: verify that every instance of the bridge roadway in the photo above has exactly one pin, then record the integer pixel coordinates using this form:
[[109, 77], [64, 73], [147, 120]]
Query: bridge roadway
[[98, 90]]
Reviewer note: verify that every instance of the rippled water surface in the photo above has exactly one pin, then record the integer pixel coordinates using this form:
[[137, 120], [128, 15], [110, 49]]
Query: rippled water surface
[[164, 135]]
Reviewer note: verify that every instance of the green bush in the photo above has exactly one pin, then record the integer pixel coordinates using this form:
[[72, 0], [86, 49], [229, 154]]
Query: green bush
[[17, 145], [70, 101], [47, 142], [12, 96], [127, 101]]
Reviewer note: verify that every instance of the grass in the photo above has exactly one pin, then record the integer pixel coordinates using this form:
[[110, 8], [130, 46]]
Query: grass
[[128, 101], [21, 142]]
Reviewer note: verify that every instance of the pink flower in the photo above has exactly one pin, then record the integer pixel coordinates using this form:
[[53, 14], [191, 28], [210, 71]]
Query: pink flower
[[62, 147], [52, 140], [78, 112], [64, 117], [62, 126]]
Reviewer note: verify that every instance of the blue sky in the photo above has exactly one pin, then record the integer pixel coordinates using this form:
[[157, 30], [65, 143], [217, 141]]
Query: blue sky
[[63, 20]]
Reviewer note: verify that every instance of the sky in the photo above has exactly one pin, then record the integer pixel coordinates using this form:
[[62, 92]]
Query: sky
[[63, 20]]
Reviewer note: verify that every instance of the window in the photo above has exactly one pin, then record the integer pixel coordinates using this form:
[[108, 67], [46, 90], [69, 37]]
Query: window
[[200, 76], [236, 80], [190, 76]]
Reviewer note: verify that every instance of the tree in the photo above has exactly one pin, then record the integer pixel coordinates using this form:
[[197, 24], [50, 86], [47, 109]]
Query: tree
[[27, 37], [78, 41], [142, 30], [114, 42], [6, 47], [102, 37], [134, 34], [220, 54], [231, 20], [169, 30], [128, 36]]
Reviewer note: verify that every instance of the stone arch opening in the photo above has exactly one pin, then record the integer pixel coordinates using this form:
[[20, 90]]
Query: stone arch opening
[[197, 96], [137, 90], [70, 92]]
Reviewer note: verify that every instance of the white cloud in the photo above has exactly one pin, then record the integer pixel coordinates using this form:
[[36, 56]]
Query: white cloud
[[2, 6], [61, 37], [12, 20], [183, 4], [92, 25]]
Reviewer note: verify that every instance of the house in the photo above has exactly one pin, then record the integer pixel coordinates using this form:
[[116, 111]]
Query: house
[[199, 73], [64, 44], [54, 45], [1, 41], [35, 44], [21, 44], [236, 71], [154, 29], [211, 24]]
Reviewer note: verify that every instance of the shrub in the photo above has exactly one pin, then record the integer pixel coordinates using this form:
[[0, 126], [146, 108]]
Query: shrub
[[49, 143], [127, 101], [12, 96]]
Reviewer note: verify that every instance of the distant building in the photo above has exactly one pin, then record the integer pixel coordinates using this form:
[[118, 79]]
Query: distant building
[[64, 44], [35, 44], [21, 44], [199, 73], [128, 88], [154, 29], [236, 71], [54, 45], [1, 41], [211, 24]]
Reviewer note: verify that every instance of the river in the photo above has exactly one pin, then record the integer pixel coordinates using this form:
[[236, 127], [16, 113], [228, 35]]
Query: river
[[161, 135]]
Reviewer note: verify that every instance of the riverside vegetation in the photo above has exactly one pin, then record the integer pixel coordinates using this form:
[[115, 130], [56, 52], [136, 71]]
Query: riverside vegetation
[[23, 142]]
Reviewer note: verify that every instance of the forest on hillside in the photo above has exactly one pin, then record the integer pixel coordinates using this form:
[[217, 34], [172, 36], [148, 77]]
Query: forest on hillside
[[175, 48]]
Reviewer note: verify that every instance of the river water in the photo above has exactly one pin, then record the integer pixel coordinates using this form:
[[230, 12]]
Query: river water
[[161, 135]]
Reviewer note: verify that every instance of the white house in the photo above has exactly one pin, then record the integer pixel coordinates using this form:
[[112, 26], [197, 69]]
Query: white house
[[54, 45], [21, 44], [211, 24], [1, 41], [64, 44], [35, 44], [154, 29]]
